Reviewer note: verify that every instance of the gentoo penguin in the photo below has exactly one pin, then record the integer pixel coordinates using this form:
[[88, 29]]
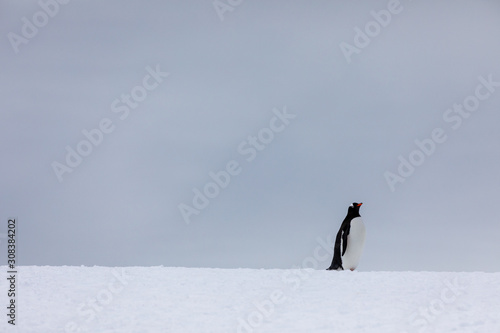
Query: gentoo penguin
[[350, 239]]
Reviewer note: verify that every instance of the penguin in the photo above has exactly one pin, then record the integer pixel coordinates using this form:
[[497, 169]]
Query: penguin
[[350, 241]]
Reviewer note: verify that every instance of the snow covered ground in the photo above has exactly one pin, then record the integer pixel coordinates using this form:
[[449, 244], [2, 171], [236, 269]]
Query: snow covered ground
[[162, 299]]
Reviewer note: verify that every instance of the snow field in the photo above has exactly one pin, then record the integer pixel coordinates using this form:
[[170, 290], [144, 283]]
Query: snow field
[[164, 299]]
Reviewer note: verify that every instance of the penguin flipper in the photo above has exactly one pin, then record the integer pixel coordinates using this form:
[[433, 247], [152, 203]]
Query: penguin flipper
[[344, 239]]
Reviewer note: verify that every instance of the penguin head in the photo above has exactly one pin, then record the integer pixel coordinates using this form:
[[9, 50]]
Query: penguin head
[[354, 208]]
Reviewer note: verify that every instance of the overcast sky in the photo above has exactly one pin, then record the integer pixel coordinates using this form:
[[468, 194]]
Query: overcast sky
[[309, 106]]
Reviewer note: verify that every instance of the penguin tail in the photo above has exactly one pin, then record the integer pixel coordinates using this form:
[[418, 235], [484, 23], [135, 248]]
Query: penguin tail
[[335, 267]]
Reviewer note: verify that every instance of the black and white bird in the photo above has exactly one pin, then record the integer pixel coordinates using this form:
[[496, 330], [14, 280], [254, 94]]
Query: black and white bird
[[350, 241]]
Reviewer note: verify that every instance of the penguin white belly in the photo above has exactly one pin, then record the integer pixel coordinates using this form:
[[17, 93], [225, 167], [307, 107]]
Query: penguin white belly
[[355, 244]]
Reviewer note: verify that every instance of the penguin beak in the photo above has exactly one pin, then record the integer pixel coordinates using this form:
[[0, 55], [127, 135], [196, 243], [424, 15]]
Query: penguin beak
[[360, 204]]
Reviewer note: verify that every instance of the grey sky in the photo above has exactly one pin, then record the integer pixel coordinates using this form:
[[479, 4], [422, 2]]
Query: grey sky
[[352, 121]]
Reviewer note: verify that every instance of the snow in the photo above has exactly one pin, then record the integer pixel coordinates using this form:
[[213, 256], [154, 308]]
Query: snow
[[163, 299]]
